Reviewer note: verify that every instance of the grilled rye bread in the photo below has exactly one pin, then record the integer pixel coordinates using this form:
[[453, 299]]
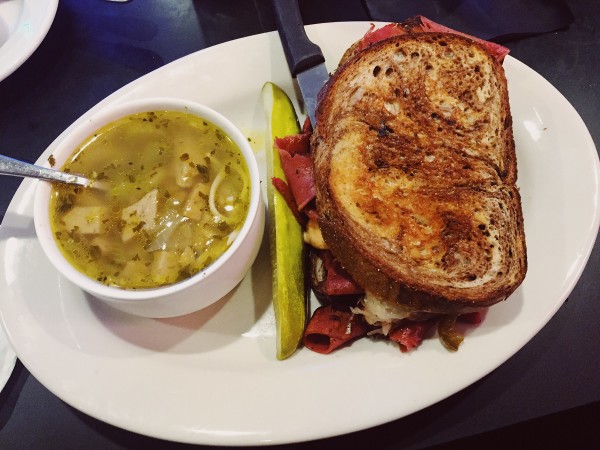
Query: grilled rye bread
[[415, 173]]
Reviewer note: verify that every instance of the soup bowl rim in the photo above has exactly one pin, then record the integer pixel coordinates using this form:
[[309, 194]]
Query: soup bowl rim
[[67, 144]]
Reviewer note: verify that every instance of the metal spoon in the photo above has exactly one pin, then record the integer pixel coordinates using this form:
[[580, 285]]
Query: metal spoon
[[16, 168]]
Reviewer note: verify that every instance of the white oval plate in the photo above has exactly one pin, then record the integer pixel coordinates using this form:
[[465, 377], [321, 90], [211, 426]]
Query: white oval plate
[[212, 377], [23, 26]]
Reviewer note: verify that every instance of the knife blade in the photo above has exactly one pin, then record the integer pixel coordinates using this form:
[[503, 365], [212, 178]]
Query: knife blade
[[304, 57]]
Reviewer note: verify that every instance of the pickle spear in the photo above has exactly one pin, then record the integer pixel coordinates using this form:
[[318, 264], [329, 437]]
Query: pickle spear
[[285, 233]]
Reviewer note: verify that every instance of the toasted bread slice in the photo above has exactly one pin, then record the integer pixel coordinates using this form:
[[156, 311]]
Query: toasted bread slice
[[415, 172]]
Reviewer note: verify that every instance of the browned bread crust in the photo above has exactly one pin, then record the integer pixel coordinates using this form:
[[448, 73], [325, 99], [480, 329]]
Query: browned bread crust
[[415, 172], [410, 25]]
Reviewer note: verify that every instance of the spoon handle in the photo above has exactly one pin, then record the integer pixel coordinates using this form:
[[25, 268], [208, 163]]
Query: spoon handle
[[16, 168]]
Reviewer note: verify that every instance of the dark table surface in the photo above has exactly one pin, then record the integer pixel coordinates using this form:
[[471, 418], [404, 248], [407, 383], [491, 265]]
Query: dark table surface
[[548, 392]]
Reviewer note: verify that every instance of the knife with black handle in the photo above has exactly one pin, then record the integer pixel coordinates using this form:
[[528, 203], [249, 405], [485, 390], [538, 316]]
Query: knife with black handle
[[304, 58]]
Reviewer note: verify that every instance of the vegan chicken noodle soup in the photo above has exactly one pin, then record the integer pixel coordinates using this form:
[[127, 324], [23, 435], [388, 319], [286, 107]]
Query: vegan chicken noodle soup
[[178, 194]]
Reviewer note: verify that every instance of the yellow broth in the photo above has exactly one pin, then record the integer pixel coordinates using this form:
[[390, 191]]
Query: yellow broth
[[178, 194]]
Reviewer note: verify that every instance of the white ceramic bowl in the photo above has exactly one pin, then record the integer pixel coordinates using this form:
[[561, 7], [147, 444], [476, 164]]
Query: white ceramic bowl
[[201, 289]]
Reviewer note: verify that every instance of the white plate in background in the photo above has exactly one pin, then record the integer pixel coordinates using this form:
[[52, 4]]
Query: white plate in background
[[23, 26], [8, 358]]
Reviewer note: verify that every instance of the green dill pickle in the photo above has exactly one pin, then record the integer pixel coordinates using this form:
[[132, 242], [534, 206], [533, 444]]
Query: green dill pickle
[[285, 233]]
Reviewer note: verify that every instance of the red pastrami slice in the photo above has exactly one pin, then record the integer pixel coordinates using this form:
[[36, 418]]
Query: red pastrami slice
[[329, 329], [285, 191], [300, 177], [409, 334], [337, 281]]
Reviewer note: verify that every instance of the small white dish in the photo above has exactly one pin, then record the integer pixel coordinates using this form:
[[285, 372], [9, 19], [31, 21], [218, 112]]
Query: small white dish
[[199, 290]]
